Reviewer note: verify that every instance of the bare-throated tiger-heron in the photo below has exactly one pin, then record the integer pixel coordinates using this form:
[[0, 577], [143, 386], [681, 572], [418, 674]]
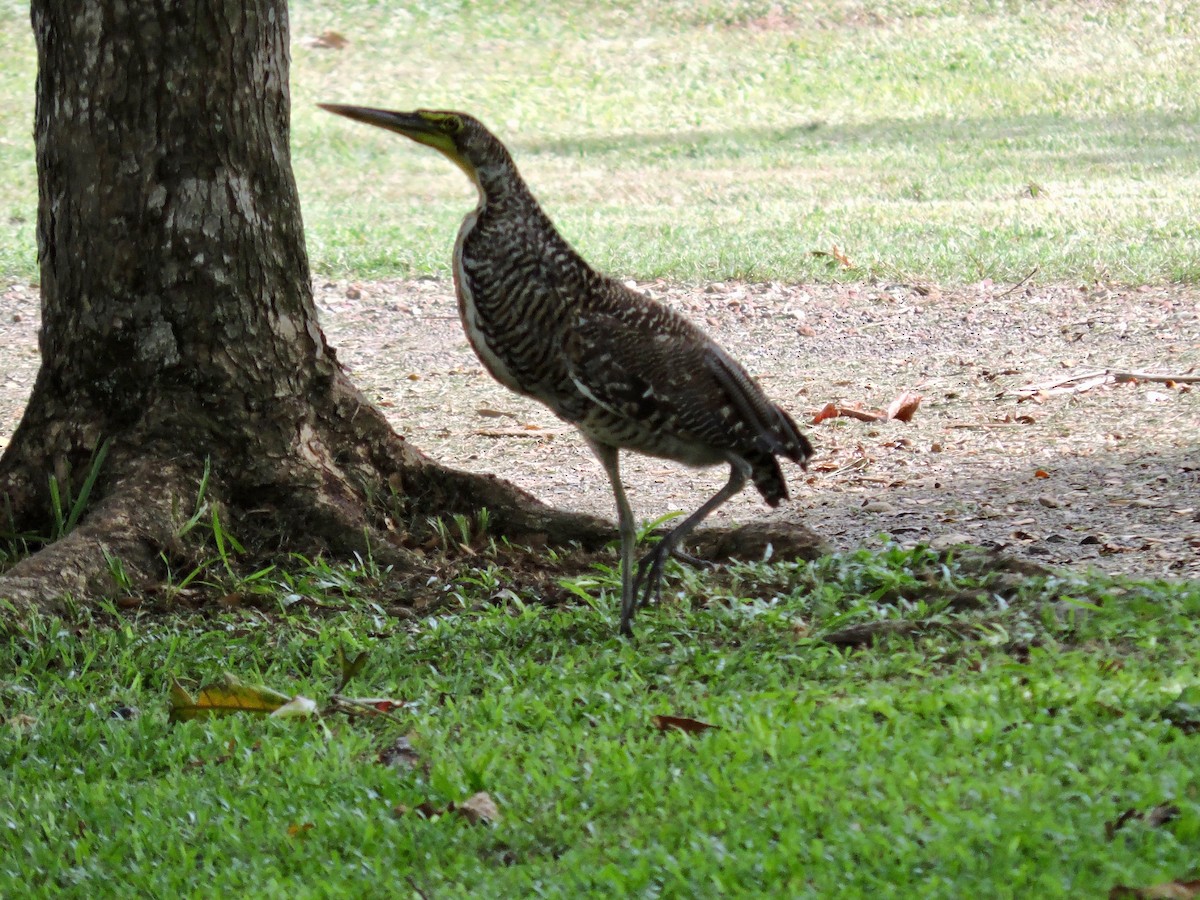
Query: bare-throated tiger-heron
[[628, 372]]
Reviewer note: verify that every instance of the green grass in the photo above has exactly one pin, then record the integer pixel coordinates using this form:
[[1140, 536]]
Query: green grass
[[989, 753], [946, 142]]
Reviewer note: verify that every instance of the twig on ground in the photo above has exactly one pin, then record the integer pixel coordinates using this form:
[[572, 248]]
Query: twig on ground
[[372, 706], [1032, 272], [1085, 381], [988, 425]]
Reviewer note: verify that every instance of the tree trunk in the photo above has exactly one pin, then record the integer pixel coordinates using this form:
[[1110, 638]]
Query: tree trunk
[[178, 325]]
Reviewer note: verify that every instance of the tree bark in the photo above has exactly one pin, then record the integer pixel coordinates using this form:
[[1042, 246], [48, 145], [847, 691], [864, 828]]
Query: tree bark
[[177, 316]]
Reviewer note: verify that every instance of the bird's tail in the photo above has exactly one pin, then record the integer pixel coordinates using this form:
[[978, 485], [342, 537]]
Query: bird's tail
[[793, 444], [768, 478], [786, 440]]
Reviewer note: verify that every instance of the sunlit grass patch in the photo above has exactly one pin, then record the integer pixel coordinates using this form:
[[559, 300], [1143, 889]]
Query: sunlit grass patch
[[948, 142]]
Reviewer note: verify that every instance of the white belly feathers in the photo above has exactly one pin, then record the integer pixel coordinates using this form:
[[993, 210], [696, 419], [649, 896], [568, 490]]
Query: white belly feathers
[[469, 314]]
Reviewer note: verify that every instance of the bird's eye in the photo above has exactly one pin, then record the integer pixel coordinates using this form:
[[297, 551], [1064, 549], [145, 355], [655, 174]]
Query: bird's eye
[[447, 123]]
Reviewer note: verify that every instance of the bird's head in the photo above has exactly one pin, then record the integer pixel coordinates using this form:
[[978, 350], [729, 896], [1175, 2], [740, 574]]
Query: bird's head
[[461, 137]]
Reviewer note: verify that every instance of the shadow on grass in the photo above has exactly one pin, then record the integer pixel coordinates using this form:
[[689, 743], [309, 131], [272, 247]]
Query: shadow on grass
[[1147, 139]]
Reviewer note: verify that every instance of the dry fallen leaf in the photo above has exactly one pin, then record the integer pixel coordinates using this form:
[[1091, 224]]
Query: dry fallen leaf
[[946, 541], [835, 253], [368, 706], [400, 754], [901, 409], [828, 411], [479, 809], [1159, 815], [832, 411], [386, 704], [680, 723], [297, 708], [1171, 890], [326, 40], [904, 406]]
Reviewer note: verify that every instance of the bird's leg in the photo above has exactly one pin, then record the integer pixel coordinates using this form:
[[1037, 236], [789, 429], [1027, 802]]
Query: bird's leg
[[650, 569], [610, 460], [691, 560]]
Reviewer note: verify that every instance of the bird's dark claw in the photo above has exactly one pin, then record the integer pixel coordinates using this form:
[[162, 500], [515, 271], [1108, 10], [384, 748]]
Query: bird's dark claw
[[647, 583]]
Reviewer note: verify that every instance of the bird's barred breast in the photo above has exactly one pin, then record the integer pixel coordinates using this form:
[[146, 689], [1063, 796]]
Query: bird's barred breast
[[481, 333]]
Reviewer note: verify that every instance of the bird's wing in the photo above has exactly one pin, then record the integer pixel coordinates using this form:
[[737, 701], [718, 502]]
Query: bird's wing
[[666, 373], [773, 429]]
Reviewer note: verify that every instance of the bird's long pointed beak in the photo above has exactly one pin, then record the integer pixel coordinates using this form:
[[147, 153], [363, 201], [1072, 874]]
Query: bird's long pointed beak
[[406, 123], [420, 126]]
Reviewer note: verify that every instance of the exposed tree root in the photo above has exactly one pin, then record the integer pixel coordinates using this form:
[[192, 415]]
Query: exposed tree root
[[514, 512], [130, 526], [311, 505], [378, 454], [750, 542]]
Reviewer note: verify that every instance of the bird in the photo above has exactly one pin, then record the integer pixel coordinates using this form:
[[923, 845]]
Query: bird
[[628, 372]]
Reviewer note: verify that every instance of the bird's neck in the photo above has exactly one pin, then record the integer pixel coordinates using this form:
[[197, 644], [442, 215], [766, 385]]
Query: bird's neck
[[506, 203], [502, 187]]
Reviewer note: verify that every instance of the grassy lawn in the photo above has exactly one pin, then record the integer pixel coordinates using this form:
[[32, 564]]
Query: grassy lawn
[[944, 142], [1004, 735], [888, 723]]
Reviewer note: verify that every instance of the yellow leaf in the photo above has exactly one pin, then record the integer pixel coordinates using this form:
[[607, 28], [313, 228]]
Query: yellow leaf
[[231, 696]]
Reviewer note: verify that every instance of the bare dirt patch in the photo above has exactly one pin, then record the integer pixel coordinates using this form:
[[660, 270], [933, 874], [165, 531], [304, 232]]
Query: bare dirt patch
[[1109, 477]]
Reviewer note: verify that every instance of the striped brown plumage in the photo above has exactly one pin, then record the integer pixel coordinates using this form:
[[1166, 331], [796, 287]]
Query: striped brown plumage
[[628, 372]]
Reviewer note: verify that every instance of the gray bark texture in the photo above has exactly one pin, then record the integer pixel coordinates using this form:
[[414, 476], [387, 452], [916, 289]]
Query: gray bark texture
[[178, 322]]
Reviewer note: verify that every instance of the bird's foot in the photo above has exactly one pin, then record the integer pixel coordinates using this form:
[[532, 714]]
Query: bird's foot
[[647, 583]]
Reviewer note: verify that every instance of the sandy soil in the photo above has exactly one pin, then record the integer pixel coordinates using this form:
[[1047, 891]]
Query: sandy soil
[[1106, 477]]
